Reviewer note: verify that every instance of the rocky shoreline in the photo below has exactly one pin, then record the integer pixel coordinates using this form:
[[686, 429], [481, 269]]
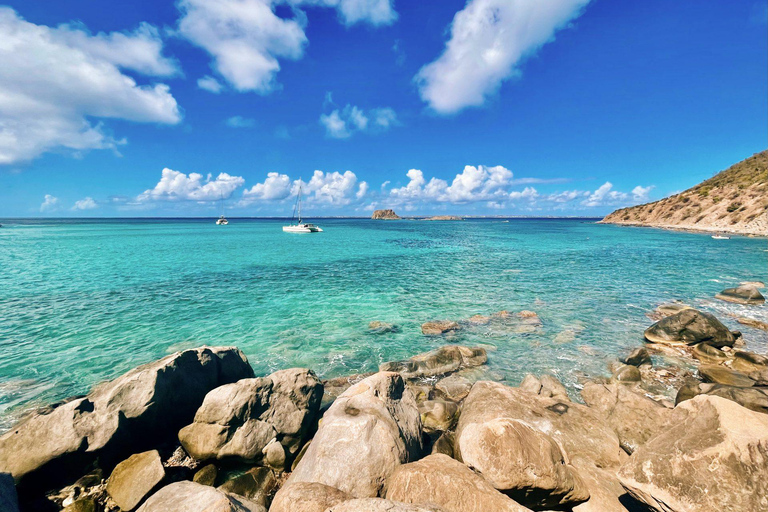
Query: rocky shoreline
[[198, 431]]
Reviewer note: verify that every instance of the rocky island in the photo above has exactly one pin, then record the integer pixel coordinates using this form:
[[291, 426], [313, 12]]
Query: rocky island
[[197, 431], [733, 201], [385, 215]]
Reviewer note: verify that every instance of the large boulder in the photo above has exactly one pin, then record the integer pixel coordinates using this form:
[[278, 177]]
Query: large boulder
[[722, 375], [307, 497], [370, 430], [635, 418], [753, 398], [191, 497], [134, 479], [130, 413], [241, 421], [745, 294], [449, 484], [380, 505], [256, 484], [438, 415], [712, 458], [690, 327], [453, 387], [444, 360], [522, 462], [581, 431]]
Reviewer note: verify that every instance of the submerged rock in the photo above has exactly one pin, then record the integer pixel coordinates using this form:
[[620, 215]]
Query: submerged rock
[[690, 327], [751, 322], [242, 420], [744, 294], [307, 497], [379, 327], [711, 459], [370, 430], [137, 410], [438, 327], [134, 479], [444, 360], [635, 418], [192, 497], [449, 484]]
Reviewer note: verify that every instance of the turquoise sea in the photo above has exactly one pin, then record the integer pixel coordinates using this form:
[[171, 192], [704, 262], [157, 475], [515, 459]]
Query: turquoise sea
[[83, 301]]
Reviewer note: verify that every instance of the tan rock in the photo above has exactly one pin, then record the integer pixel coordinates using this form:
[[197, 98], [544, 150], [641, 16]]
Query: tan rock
[[307, 497], [442, 361], [744, 294], [437, 327], [438, 415], [453, 387], [690, 327], [722, 375], [191, 497], [134, 479], [711, 459], [380, 505], [447, 483]]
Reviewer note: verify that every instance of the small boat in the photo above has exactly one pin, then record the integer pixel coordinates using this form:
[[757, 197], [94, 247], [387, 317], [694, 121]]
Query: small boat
[[721, 237], [300, 227], [222, 221]]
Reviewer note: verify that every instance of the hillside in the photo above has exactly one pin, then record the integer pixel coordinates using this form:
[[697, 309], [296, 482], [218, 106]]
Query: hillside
[[735, 201]]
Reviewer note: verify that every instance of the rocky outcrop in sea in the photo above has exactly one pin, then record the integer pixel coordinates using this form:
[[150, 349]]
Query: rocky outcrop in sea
[[197, 431]]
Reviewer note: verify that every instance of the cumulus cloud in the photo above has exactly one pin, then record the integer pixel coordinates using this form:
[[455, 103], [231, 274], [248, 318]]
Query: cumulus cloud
[[246, 38], [640, 194], [50, 203], [479, 183], [240, 122], [343, 123], [489, 39], [85, 204], [177, 186], [276, 187], [210, 84], [605, 195], [54, 80]]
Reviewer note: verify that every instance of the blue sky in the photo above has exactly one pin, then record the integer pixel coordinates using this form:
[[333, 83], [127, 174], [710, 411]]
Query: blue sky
[[503, 107]]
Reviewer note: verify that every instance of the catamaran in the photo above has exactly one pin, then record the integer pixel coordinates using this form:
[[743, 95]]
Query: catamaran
[[300, 227]]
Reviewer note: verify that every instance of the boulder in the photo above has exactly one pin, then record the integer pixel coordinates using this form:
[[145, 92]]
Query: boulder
[[380, 505], [708, 354], [453, 387], [379, 327], [722, 375], [580, 431], [256, 484], [240, 421], [749, 361], [754, 398], [690, 327], [745, 294], [135, 411], [522, 462], [444, 360], [554, 387], [206, 475], [134, 479], [444, 444], [606, 493], [370, 430], [449, 484], [438, 415], [635, 418], [307, 497], [751, 322], [191, 497], [627, 373], [438, 327], [8, 500], [385, 215], [712, 458], [638, 357], [531, 384]]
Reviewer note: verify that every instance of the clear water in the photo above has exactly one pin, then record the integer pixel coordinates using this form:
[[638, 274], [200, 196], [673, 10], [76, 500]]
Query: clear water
[[85, 301]]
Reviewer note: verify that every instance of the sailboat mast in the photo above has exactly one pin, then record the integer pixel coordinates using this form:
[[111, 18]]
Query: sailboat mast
[[299, 204]]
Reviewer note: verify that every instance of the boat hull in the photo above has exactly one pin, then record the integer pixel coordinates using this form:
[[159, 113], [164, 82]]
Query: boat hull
[[301, 229]]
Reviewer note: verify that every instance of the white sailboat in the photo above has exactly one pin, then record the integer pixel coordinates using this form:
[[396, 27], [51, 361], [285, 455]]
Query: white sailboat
[[300, 227], [222, 220]]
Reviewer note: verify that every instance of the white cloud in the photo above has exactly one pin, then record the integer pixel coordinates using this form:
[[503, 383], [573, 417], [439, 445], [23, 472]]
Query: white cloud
[[605, 195], [479, 183], [528, 193], [343, 123], [53, 80], [246, 38], [489, 38], [334, 188], [177, 186], [276, 187], [85, 204], [210, 84], [50, 203], [240, 122], [640, 194]]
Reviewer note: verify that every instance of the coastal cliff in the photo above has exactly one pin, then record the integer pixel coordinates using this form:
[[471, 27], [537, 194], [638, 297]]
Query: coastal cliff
[[733, 201]]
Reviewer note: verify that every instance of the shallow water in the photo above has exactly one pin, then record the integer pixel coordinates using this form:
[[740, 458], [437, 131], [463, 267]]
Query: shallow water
[[83, 301]]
